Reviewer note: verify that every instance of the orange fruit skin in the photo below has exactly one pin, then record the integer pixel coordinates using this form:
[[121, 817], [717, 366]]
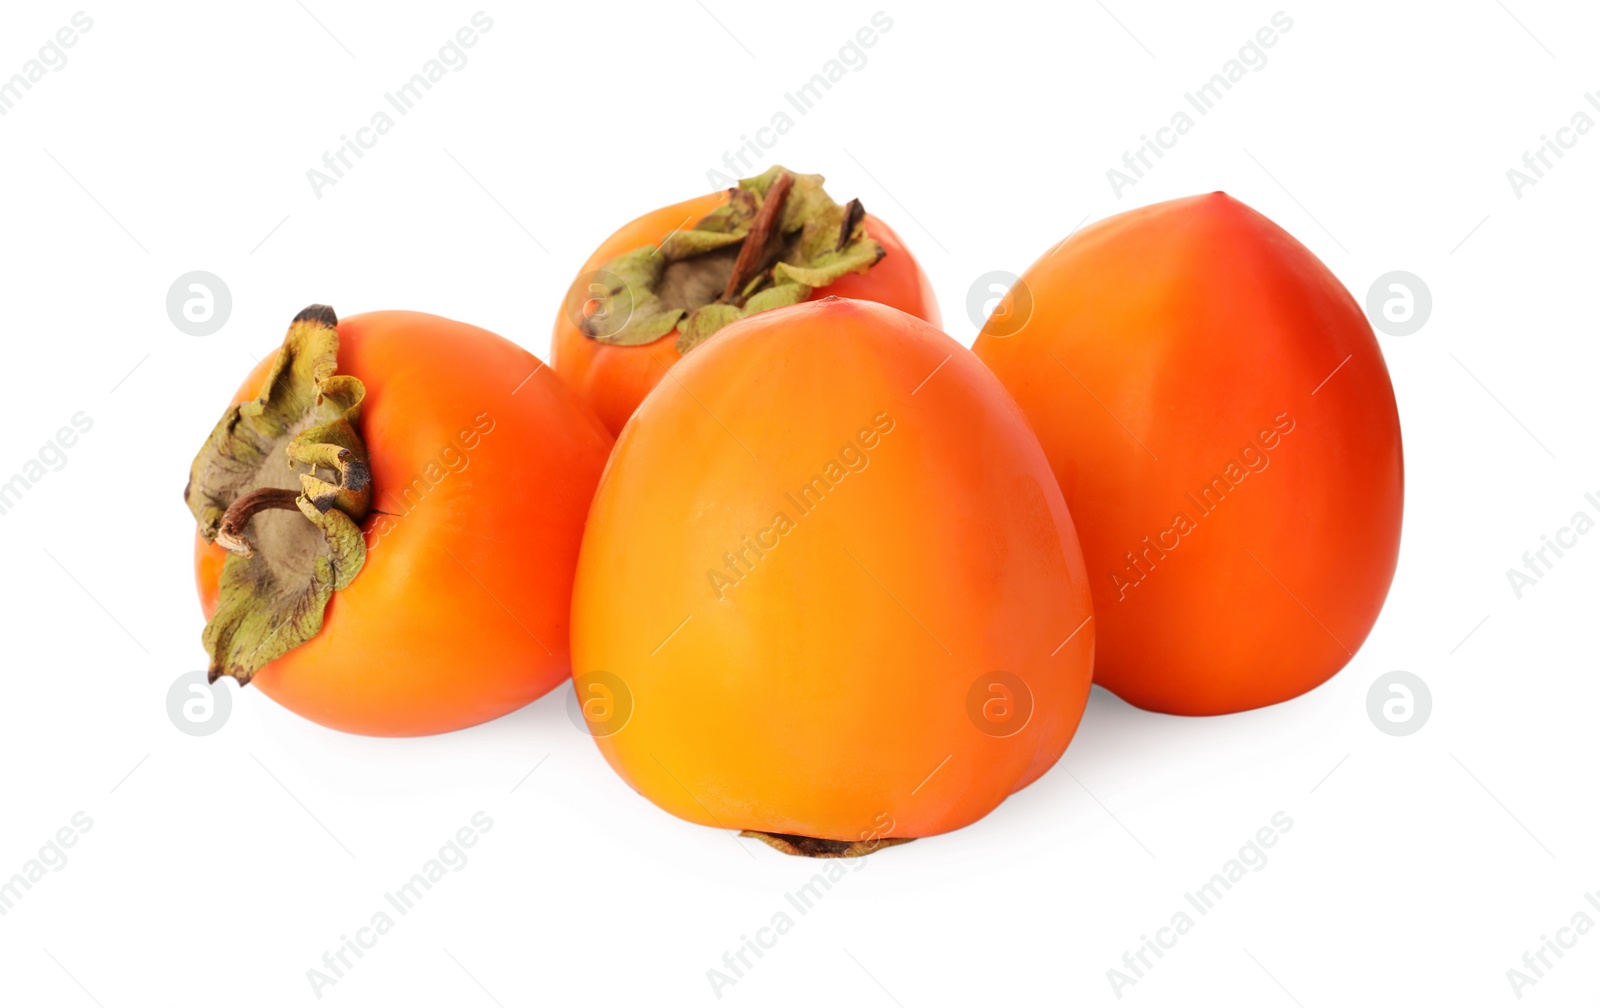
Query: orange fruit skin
[[460, 613], [825, 693], [1162, 343], [613, 380]]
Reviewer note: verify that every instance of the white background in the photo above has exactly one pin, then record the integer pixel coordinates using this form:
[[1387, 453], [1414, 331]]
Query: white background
[[219, 869]]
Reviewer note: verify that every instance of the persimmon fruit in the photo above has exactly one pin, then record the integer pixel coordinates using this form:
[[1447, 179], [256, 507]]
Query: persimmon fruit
[[829, 592], [389, 516], [1217, 410], [670, 279]]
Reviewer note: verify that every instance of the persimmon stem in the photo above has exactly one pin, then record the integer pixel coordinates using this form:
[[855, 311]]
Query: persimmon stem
[[763, 241], [230, 531], [804, 846]]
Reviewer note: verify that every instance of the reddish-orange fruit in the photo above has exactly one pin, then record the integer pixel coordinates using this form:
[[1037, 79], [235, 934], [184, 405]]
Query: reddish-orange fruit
[[829, 592], [672, 278], [1217, 410], [389, 517]]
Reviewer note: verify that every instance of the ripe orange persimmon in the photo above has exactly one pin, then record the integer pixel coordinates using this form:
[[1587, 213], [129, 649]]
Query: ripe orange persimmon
[[829, 592], [669, 279], [401, 499], [1218, 412]]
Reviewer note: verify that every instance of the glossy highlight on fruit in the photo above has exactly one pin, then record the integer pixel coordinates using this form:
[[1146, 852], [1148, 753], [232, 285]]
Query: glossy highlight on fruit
[[829, 592], [389, 519], [670, 279], [1217, 410]]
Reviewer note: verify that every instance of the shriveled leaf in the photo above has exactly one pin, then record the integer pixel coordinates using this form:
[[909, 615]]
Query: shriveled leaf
[[702, 322], [709, 276], [781, 296], [732, 217], [629, 312], [694, 242], [264, 612], [278, 578], [825, 269]]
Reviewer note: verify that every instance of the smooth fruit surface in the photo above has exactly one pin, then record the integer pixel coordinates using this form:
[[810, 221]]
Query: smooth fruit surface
[[483, 466], [829, 587], [1220, 418]]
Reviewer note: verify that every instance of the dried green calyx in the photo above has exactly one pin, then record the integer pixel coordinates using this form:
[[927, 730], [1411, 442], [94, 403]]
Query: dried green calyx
[[777, 238], [283, 483]]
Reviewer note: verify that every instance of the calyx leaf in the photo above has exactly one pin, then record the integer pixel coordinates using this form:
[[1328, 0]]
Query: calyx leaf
[[283, 483], [778, 237]]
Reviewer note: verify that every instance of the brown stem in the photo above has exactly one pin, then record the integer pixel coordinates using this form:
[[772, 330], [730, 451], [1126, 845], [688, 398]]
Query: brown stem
[[804, 846], [764, 239], [230, 530]]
